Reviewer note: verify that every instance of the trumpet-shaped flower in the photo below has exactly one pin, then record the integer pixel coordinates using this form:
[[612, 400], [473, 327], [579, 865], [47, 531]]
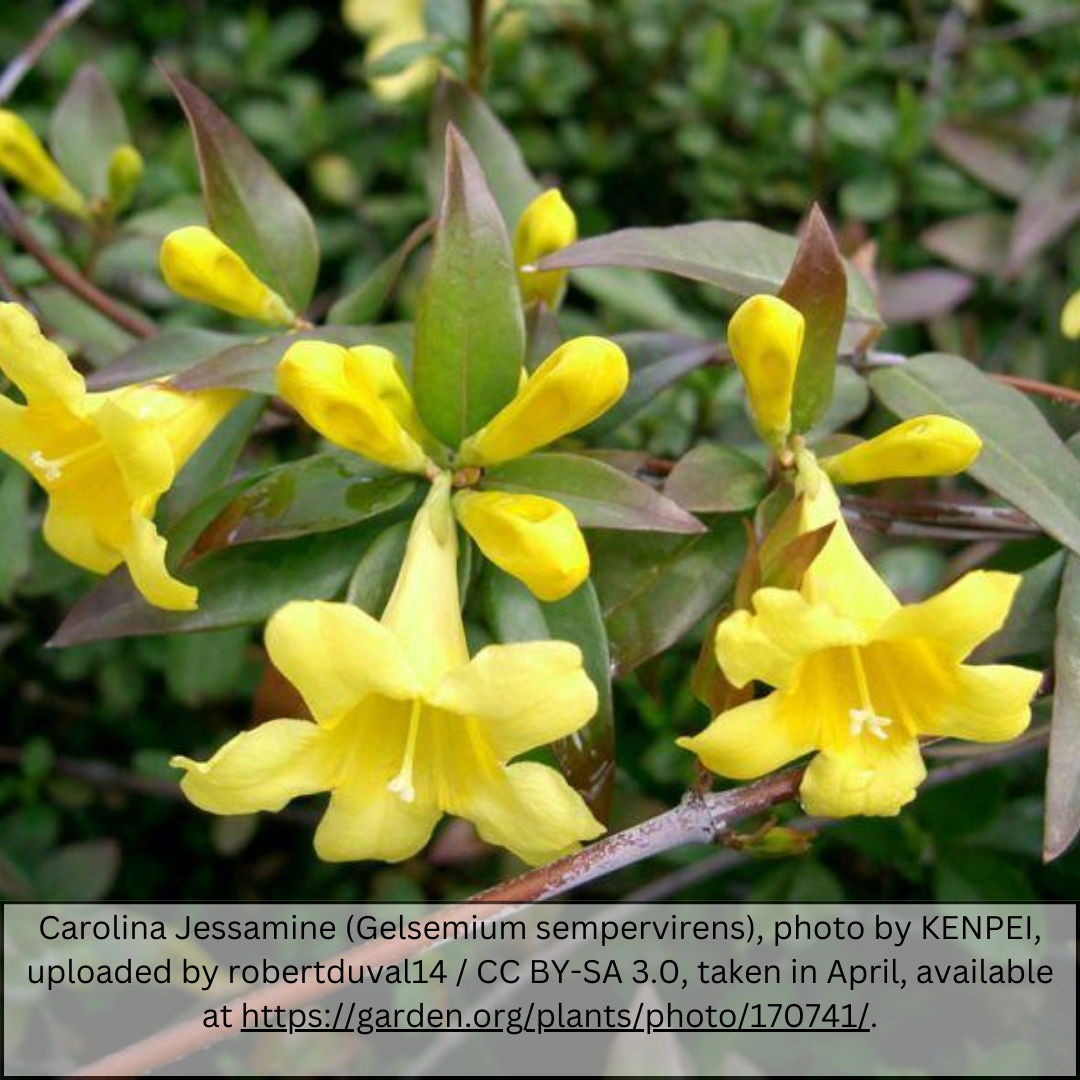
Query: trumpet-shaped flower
[[1070, 316], [546, 225], [765, 336], [199, 266], [578, 382], [23, 157], [357, 399], [531, 537], [923, 446], [406, 727], [104, 459], [859, 678]]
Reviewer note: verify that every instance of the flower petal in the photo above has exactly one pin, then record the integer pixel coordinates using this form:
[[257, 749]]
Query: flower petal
[[262, 769], [140, 450], [957, 618], [336, 655], [17, 435], [753, 739], [985, 703], [523, 695], [866, 775], [69, 530], [528, 809], [783, 630], [34, 364], [532, 538], [578, 382], [144, 553]]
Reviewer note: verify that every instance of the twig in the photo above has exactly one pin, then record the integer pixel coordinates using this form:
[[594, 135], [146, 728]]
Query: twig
[[952, 520], [15, 224], [697, 820], [477, 46], [24, 60]]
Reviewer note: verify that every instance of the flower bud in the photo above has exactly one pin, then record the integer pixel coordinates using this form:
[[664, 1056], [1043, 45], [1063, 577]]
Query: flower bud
[[23, 157], [199, 266], [765, 336], [546, 225], [1070, 316], [125, 173], [922, 446], [533, 538], [330, 387], [578, 382]]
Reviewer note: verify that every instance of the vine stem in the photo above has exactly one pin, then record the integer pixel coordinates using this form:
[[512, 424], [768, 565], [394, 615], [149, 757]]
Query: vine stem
[[29, 55], [699, 819], [15, 224], [477, 46]]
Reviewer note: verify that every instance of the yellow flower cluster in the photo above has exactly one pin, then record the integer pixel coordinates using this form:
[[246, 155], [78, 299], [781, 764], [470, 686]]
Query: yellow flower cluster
[[857, 678]]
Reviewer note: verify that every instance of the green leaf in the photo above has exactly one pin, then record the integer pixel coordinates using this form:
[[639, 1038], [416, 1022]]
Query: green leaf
[[402, 56], [1022, 458], [366, 301], [212, 464], [656, 361], [79, 873], [164, 354], [205, 667], [244, 584], [850, 399], [1063, 769], [247, 204], [716, 479], [639, 294], [599, 496], [373, 579], [320, 493], [14, 526], [817, 286], [470, 327], [736, 256], [79, 327], [587, 758], [512, 184], [253, 365], [655, 589], [1030, 626], [87, 125]]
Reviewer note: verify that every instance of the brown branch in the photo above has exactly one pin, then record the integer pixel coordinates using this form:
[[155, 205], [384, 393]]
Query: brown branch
[[1061, 395], [946, 520], [29, 55], [16, 226], [699, 819], [477, 46]]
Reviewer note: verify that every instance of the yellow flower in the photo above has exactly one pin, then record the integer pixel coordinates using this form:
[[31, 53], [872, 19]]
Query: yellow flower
[[1070, 316], [357, 399], [125, 174], [578, 382], [531, 537], [546, 225], [389, 24], [858, 677], [23, 157], [765, 336], [407, 727], [922, 446], [104, 459], [199, 266]]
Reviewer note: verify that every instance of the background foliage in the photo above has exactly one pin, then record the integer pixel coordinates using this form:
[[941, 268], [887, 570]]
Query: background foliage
[[937, 135]]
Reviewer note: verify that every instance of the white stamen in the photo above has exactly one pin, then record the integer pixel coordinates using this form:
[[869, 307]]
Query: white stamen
[[868, 719], [401, 786], [51, 469]]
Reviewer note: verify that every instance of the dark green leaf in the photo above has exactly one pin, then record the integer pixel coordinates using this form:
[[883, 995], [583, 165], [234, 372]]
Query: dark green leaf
[[318, 494], [14, 526], [399, 58], [164, 354], [599, 496], [205, 667], [656, 361], [470, 327], [245, 584], [1030, 626], [655, 589], [79, 873], [247, 204], [817, 286], [737, 256], [376, 572], [86, 127], [716, 479], [1022, 458], [512, 184], [587, 758], [253, 366], [1063, 770], [365, 301], [850, 399], [79, 327]]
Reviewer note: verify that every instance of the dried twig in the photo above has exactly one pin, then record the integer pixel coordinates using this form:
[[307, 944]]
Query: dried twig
[[28, 56]]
